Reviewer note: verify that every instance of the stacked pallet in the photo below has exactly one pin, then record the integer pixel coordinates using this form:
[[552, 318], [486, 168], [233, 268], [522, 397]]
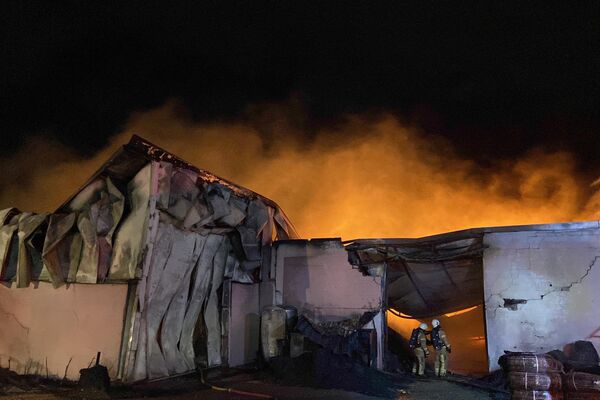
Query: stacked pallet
[[533, 376], [581, 386]]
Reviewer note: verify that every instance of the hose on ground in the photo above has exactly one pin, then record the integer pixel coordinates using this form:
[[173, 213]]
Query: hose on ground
[[235, 391]]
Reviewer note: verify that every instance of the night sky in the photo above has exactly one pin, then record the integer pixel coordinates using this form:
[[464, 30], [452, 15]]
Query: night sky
[[497, 79]]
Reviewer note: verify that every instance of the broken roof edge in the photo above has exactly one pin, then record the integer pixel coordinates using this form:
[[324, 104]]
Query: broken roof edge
[[475, 232], [148, 151]]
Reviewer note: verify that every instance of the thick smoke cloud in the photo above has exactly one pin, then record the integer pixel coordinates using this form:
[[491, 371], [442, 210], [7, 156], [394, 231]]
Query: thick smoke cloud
[[367, 176]]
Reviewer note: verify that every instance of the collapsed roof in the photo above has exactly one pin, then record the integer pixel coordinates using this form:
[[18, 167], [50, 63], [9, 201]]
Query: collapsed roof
[[425, 277], [437, 274], [97, 234]]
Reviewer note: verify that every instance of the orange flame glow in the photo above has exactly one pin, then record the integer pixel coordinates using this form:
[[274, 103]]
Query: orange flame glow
[[367, 177]]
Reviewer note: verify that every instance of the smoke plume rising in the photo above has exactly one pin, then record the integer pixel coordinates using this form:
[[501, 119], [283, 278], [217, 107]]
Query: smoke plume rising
[[364, 177]]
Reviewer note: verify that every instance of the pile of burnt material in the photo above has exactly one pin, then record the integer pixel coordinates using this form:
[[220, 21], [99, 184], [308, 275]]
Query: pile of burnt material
[[580, 356], [582, 378], [321, 368], [325, 354], [532, 376]]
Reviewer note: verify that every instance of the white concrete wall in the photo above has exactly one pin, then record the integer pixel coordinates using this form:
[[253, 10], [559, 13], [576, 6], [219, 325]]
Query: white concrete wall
[[315, 277], [46, 326], [557, 273]]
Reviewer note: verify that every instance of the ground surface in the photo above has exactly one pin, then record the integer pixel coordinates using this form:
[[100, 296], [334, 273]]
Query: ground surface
[[191, 388]]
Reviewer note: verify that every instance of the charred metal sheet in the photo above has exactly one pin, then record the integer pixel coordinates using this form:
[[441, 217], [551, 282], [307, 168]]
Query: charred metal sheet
[[156, 306], [133, 156], [164, 172], [160, 256], [249, 243], [179, 261], [28, 223], [7, 214], [100, 208], [234, 270], [198, 215], [285, 229], [8, 240], [211, 313], [130, 237], [268, 233], [59, 226], [182, 195], [219, 206], [88, 267], [237, 212], [199, 289], [173, 320]]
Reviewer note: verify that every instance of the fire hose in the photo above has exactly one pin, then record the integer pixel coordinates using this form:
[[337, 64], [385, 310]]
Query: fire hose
[[235, 391]]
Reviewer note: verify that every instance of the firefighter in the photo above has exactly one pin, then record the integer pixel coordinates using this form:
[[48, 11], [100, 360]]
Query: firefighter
[[440, 343], [418, 342]]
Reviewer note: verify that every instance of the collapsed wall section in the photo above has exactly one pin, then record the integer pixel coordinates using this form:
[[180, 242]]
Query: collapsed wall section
[[336, 302], [541, 290], [315, 277]]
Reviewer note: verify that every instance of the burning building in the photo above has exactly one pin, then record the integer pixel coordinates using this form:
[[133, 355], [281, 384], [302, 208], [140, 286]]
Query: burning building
[[162, 266], [158, 265], [518, 288]]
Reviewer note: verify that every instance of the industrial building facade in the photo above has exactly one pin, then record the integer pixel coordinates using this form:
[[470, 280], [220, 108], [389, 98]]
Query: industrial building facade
[[162, 267]]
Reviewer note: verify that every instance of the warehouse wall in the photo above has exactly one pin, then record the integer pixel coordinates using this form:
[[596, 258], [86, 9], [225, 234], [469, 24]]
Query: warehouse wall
[[316, 277], [44, 330], [541, 290]]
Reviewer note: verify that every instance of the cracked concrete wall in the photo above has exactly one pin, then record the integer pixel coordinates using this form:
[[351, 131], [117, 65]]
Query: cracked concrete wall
[[316, 277], [44, 329], [541, 290]]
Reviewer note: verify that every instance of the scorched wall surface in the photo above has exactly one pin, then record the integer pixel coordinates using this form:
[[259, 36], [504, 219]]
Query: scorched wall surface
[[45, 329], [316, 278], [542, 290]]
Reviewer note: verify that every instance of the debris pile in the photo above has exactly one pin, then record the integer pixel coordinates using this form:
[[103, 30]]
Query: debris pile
[[335, 354], [11, 383], [579, 356], [17, 386], [583, 380], [339, 338], [324, 369]]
